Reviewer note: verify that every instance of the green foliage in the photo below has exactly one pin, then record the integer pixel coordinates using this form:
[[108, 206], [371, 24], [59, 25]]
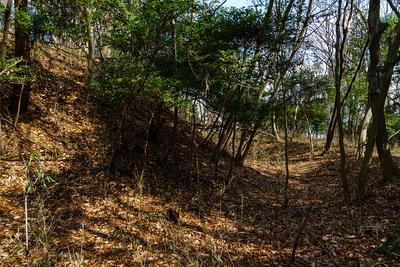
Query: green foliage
[[391, 241], [142, 35], [392, 111], [24, 18], [39, 176], [14, 72], [310, 92], [3, 7]]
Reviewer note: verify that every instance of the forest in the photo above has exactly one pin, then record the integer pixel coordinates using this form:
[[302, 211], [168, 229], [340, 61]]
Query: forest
[[194, 133]]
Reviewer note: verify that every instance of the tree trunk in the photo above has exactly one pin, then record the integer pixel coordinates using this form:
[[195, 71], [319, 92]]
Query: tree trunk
[[91, 46], [274, 127], [309, 133], [378, 92], [362, 138], [244, 134], [286, 203], [388, 166], [294, 124], [338, 85], [223, 138], [241, 156], [7, 15], [174, 75], [21, 50], [331, 131]]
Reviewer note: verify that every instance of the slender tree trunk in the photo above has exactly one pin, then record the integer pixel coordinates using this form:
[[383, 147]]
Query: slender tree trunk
[[309, 133], [331, 130], [241, 156], [7, 16], [274, 127], [286, 203], [91, 46], [174, 75], [338, 86], [223, 138], [21, 50], [362, 138], [244, 134], [92, 55], [294, 124], [333, 121]]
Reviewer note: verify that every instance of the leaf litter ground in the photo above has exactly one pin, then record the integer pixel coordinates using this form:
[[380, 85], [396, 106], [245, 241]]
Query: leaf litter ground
[[92, 217]]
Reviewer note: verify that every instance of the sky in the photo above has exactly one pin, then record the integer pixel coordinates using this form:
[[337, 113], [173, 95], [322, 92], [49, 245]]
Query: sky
[[238, 3]]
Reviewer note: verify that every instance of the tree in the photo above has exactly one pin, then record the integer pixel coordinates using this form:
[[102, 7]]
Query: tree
[[91, 57], [267, 42], [379, 83], [339, 56], [19, 99], [7, 16], [309, 92], [344, 30]]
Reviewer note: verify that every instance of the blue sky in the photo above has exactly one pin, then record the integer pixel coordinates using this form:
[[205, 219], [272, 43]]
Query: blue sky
[[238, 3]]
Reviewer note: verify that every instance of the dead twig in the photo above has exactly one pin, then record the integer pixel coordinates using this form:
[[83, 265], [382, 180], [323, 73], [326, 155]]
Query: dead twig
[[300, 231], [1, 140], [18, 132], [322, 246]]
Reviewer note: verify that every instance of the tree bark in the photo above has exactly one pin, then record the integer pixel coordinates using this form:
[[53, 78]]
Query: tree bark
[[7, 16], [21, 50], [91, 46], [223, 138], [362, 139]]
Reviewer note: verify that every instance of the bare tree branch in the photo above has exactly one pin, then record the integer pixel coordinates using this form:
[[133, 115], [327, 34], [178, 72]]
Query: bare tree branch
[[394, 8]]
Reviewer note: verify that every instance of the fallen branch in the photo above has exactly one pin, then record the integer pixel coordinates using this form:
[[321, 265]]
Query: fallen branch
[[10, 123], [1, 140], [267, 206], [322, 246], [300, 231], [251, 202]]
